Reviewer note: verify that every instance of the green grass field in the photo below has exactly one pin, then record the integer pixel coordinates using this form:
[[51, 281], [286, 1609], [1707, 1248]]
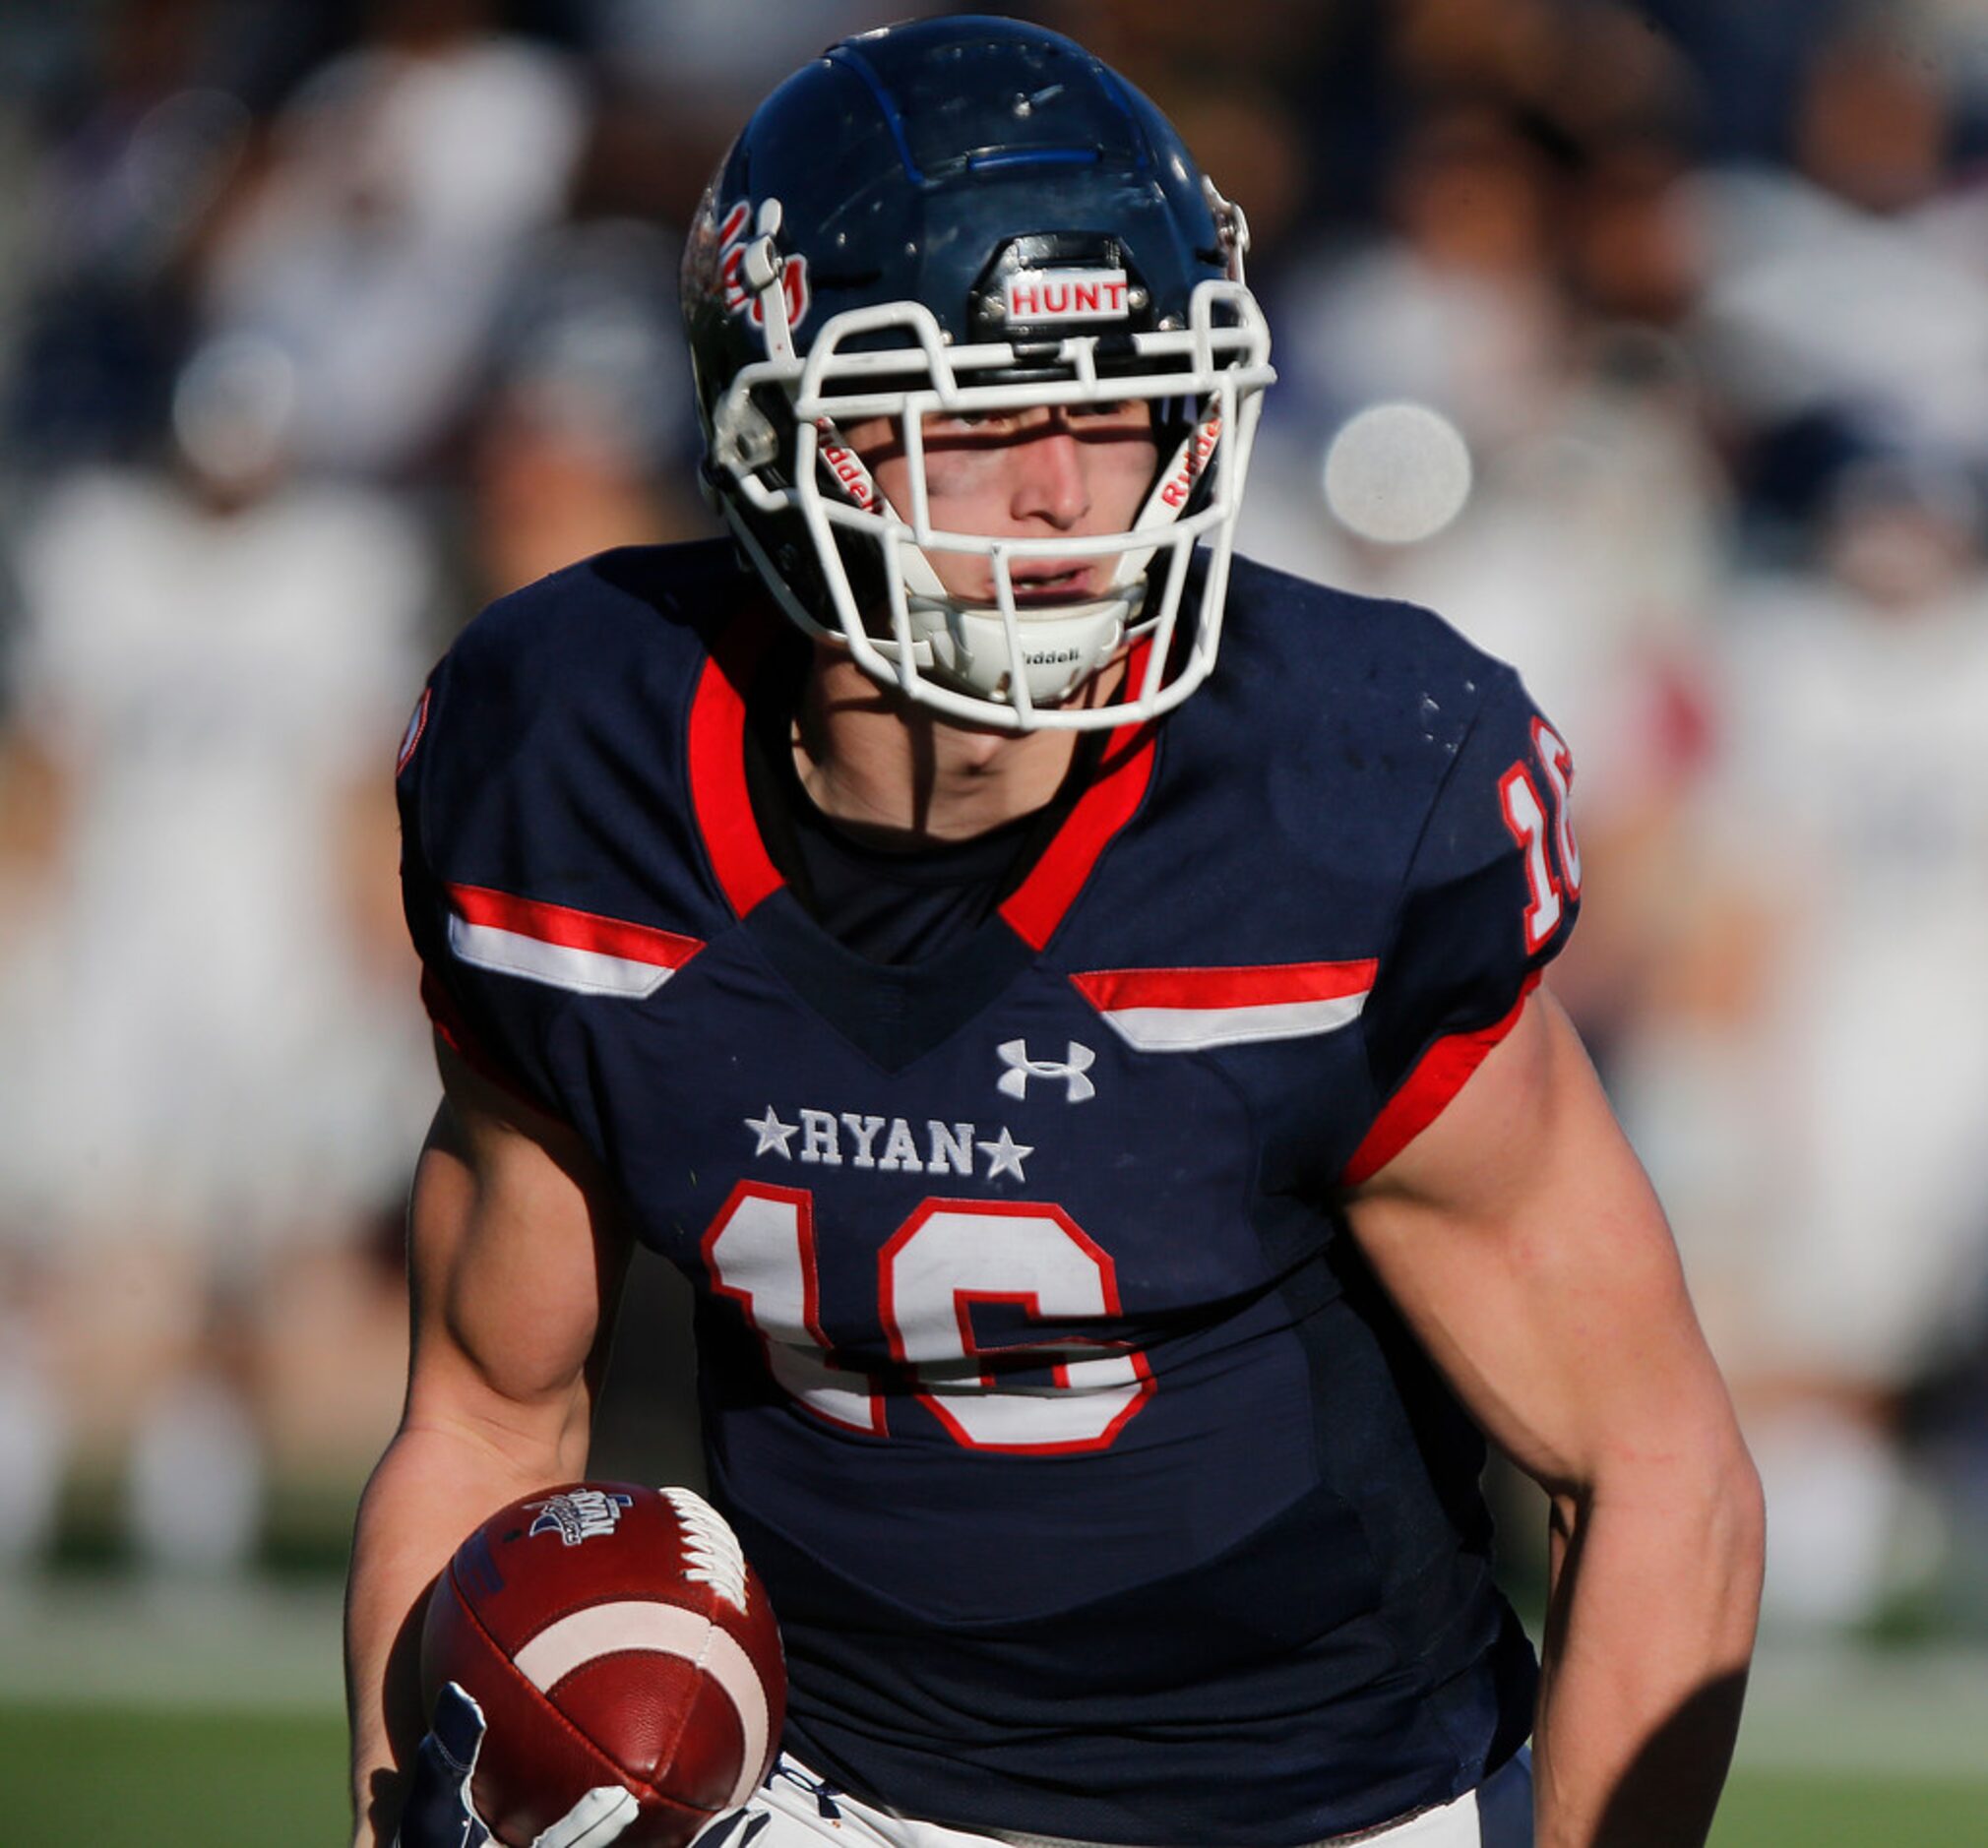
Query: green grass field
[[135, 1715], [1779, 1810], [120, 1778]]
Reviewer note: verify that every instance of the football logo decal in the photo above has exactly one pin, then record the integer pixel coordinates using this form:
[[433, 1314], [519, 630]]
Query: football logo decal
[[584, 1515]]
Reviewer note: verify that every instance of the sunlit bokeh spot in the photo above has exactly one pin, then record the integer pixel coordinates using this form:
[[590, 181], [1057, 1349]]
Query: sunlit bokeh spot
[[1396, 474]]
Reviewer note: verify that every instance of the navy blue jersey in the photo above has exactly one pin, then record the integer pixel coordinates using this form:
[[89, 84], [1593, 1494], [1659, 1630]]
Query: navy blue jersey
[[1099, 1490]]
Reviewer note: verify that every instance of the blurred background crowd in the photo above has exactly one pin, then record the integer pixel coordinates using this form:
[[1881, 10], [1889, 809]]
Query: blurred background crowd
[[1647, 342]]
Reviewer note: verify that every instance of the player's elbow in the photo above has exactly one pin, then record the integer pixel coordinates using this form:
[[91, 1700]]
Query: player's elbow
[[1727, 1536], [1696, 1501], [1743, 1525], [1725, 1502]]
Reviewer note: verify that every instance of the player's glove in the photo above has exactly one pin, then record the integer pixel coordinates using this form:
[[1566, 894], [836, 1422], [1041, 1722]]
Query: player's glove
[[440, 1814]]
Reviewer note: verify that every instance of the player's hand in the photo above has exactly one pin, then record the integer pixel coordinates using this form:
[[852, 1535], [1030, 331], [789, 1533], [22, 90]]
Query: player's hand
[[439, 1812]]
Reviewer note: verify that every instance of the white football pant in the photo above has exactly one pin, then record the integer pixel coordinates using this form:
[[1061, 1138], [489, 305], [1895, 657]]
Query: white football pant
[[805, 1813]]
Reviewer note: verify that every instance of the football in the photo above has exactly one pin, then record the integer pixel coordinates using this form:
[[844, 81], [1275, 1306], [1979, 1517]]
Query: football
[[611, 1634]]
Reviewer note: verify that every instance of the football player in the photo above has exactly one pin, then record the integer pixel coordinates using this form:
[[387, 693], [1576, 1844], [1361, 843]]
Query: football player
[[1120, 1150]]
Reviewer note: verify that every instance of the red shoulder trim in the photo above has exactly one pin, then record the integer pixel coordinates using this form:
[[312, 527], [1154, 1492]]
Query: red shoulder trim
[[1037, 906], [720, 800], [1439, 1075]]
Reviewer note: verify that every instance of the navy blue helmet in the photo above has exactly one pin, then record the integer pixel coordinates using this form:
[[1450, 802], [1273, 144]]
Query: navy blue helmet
[[967, 217]]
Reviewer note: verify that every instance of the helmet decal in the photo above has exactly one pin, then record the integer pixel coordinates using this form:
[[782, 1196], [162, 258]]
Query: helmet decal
[[739, 298], [1038, 296]]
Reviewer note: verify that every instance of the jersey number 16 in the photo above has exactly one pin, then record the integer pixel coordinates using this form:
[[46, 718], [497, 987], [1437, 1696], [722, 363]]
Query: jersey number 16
[[1041, 1397]]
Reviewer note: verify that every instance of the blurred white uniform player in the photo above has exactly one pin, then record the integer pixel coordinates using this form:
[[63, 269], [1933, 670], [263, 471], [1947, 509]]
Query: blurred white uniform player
[[212, 668], [1824, 1150]]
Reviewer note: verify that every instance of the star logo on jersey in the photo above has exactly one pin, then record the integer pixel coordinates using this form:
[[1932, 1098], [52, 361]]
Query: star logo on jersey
[[1079, 1059], [1004, 1155], [773, 1135]]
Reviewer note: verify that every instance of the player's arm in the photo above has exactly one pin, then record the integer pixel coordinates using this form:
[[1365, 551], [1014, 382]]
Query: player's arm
[[1521, 1239], [514, 1263]]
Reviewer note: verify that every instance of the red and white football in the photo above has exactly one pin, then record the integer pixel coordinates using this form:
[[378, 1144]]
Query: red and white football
[[611, 1634]]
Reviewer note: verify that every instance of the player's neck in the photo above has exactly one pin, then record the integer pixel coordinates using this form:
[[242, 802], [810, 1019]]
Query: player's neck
[[909, 778]]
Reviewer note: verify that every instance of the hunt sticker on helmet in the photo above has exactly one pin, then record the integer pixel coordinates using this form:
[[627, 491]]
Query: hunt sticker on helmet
[[1036, 296]]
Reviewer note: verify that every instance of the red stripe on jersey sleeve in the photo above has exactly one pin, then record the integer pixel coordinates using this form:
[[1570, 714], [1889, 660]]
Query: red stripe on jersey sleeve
[[574, 930], [1439, 1075], [1269, 985]]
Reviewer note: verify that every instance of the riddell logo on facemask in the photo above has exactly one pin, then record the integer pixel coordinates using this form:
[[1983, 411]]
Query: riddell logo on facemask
[[1177, 491], [846, 465], [1033, 296]]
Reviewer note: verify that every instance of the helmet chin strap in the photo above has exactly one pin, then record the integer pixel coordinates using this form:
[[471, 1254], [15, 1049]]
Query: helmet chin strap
[[972, 652], [968, 646]]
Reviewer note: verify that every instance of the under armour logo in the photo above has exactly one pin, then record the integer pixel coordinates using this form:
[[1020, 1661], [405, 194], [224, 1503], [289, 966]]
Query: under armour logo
[[1020, 1069]]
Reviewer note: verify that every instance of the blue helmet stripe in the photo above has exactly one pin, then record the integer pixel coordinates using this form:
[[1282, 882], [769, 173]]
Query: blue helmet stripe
[[894, 118], [1113, 85], [1033, 157]]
